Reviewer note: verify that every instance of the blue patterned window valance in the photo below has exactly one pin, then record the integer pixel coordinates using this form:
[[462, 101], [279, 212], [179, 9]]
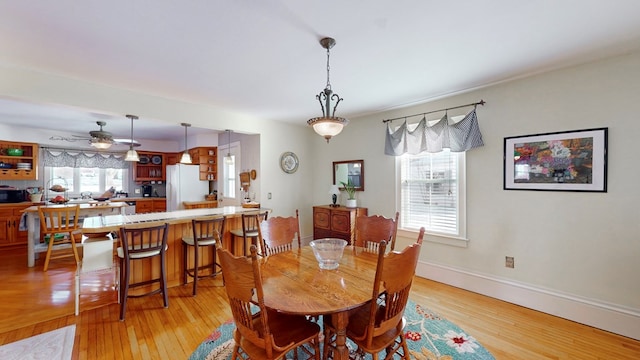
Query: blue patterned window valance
[[461, 136], [83, 159]]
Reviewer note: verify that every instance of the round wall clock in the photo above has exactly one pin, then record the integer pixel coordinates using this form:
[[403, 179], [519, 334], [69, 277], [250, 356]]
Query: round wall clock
[[289, 162]]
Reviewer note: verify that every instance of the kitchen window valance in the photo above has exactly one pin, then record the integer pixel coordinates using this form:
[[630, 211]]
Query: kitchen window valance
[[461, 136], [83, 159]]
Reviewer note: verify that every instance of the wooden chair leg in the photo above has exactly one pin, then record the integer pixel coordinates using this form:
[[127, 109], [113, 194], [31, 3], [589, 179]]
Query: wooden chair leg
[[196, 265], [48, 256], [124, 284], [74, 247], [163, 279], [185, 263]]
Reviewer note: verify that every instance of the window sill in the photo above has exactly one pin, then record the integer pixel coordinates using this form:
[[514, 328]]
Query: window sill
[[435, 238]]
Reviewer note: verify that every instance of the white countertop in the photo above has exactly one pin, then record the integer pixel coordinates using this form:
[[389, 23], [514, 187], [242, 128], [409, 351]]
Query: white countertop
[[114, 222]]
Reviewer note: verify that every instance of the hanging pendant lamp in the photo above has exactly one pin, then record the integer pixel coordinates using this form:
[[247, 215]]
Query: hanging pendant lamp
[[132, 155], [228, 159], [328, 125], [186, 158]]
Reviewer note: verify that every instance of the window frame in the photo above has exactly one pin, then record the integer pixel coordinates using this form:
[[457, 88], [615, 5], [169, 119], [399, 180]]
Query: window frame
[[76, 180], [458, 239]]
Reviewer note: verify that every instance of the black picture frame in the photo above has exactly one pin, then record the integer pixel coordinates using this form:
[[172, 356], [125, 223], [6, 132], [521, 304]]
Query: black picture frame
[[557, 161]]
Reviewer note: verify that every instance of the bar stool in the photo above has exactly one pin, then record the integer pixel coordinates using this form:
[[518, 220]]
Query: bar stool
[[207, 232], [250, 230], [142, 242]]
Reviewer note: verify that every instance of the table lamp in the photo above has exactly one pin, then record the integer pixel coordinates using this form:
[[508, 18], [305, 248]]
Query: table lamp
[[334, 191]]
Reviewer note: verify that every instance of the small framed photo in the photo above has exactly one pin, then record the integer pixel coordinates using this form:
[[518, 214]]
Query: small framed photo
[[559, 161]]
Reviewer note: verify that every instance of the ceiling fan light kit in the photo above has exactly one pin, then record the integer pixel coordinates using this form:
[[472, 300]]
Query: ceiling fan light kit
[[328, 125], [101, 139]]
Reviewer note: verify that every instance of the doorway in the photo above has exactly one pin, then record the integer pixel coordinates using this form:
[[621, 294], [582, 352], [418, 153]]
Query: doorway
[[229, 192]]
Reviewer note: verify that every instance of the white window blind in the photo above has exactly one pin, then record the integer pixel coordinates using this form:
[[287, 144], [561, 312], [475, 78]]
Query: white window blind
[[430, 192], [93, 180]]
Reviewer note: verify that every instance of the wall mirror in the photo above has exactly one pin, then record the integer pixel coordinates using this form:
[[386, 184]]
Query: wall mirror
[[353, 170]]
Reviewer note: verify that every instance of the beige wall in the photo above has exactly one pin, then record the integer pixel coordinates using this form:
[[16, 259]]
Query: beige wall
[[576, 245]]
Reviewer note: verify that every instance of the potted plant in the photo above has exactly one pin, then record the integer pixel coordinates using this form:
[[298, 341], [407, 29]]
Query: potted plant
[[351, 193]]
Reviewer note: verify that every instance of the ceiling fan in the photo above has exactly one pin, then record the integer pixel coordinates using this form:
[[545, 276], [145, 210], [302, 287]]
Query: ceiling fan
[[99, 139]]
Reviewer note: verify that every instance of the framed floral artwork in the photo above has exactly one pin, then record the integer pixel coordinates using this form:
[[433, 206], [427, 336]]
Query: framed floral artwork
[[559, 161]]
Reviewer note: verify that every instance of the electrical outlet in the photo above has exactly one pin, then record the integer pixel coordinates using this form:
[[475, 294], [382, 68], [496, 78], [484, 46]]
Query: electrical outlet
[[269, 196], [509, 262], [137, 191]]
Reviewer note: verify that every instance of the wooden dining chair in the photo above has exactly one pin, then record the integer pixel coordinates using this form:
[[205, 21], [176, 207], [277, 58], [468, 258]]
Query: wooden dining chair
[[250, 230], [59, 226], [378, 325], [142, 242], [207, 233], [262, 333], [420, 236], [279, 234], [371, 230]]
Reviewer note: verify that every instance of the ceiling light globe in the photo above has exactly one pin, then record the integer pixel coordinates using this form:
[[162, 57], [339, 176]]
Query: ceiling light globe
[[98, 144], [228, 159], [132, 155], [186, 158], [328, 127]]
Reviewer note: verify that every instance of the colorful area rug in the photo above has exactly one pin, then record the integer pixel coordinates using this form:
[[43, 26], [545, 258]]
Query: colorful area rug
[[52, 345], [429, 336]]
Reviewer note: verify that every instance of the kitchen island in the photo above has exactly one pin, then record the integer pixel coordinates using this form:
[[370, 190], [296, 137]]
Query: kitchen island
[[179, 225]]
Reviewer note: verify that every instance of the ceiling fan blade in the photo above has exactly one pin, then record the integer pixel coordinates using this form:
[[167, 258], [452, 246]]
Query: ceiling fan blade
[[126, 142], [70, 139]]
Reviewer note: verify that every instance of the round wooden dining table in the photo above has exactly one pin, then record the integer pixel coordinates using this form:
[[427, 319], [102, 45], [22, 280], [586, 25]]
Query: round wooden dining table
[[293, 283]]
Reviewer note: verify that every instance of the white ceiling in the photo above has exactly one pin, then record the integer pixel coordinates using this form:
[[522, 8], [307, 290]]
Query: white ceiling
[[263, 57]]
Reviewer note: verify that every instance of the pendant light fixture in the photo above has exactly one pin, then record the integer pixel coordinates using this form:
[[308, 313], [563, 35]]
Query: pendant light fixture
[[228, 159], [132, 155], [186, 158], [328, 125]]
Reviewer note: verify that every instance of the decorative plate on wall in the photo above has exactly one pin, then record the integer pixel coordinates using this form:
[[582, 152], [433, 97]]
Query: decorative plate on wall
[[289, 162], [156, 159]]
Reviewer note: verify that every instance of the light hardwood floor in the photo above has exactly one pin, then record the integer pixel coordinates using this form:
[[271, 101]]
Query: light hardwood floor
[[34, 302]]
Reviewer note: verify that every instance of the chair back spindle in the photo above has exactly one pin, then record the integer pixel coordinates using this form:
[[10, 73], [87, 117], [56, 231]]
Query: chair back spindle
[[279, 234], [371, 230]]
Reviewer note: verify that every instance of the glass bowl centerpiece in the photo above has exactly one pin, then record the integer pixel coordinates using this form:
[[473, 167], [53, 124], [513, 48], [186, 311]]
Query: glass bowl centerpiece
[[328, 252]]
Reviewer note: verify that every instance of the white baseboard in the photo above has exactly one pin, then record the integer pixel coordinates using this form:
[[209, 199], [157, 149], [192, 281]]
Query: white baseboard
[[610, 317]]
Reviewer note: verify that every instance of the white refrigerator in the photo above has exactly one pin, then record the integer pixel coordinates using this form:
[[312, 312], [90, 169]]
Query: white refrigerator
[[184, 184]]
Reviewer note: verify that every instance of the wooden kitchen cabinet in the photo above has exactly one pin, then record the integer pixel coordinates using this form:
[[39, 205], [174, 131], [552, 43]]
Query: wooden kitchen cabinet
[[159, 205], [335, 222], [144, 206], [207, 160], [10, 232], [150, 205], [172, 158], [206, 204], [151, 167], [22, 171]]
